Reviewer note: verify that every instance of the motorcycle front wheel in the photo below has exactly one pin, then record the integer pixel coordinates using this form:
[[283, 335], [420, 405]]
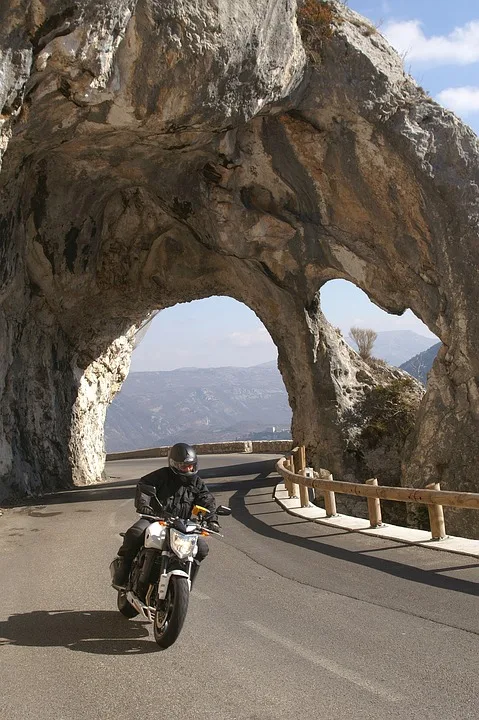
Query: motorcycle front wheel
[[171, 612]]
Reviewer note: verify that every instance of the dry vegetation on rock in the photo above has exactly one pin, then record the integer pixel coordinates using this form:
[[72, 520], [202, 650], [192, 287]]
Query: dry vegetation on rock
[[316, 23]]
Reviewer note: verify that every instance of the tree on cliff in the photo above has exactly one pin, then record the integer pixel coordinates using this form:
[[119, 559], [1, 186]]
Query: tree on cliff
[[364, 339]]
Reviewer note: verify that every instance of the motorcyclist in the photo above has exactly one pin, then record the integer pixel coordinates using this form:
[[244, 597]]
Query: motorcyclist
[[179, 488]]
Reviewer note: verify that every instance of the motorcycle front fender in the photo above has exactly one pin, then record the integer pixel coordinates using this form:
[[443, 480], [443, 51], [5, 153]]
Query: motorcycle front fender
[[165, 581]]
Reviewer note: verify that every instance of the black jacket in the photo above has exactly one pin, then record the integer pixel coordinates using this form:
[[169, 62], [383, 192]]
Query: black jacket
[[176, 498]]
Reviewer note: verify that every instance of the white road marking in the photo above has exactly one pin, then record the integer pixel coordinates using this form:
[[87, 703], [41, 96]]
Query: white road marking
[[200, 595], [329, 665]]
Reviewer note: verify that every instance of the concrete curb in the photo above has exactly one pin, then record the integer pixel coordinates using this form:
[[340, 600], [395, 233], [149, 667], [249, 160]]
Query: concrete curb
[[422, 538]]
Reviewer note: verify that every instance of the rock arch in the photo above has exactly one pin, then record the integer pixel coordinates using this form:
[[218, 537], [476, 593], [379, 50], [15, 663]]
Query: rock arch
[[164, 152]]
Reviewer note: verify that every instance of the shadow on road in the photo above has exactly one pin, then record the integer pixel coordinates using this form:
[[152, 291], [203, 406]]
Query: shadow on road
[[243, 513], [266, 479], [91, 631], [125, 489], [263, 467]]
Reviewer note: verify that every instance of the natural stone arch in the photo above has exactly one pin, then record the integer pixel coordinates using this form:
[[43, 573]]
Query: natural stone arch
[[178, 268], [273, 173]]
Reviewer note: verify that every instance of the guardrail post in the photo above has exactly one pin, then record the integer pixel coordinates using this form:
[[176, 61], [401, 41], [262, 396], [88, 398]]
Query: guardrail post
[[330, 503], [294, 486], [304, 495], [290, 486], [300, 464], [436, 516], [329, 500], [374, 507], [287, 481], [302, 457]]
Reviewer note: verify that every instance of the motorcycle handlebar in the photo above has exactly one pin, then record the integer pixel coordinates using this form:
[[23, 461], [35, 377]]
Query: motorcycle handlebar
[[167, 516]]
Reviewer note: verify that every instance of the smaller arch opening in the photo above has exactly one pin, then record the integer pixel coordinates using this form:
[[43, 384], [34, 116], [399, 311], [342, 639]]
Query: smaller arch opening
[[400, 338], [385, 412], [202, 371]]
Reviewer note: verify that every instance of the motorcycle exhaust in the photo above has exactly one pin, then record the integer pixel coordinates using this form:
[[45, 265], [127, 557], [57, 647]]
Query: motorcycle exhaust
[[147, 612]]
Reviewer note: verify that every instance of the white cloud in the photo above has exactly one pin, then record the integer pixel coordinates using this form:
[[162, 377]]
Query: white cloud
[[259, 336], [463, 100], [460, 47]]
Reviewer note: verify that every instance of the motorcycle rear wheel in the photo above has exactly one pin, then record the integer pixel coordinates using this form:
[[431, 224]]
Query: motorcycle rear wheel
[[171, 612], [124, 606]]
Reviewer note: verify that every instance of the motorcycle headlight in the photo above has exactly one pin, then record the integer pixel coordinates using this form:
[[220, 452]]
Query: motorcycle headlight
[[181, 544]]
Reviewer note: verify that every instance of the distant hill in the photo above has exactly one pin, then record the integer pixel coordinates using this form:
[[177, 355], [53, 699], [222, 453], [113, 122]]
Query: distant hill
[[420, 364], [197, 405], [218, 404], [398, 346]]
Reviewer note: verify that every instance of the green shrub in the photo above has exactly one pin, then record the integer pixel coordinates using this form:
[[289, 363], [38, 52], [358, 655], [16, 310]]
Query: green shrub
[[387, 411]]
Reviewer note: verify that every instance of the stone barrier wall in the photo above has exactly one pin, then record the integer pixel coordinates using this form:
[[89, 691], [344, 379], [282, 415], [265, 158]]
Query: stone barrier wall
[[225, 448], [272, 446]]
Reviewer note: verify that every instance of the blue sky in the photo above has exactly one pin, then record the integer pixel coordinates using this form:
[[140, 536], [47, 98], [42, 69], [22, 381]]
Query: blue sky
[[439, 41]]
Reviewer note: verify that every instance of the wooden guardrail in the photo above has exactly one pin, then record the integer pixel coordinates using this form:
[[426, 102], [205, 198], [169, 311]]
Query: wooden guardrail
[[297, 480]]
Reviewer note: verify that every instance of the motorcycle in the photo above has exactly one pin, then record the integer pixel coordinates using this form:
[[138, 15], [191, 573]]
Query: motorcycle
[[160, 578]]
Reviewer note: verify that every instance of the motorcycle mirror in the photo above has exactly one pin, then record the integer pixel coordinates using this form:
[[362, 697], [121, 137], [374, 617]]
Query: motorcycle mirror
[[223, 510]]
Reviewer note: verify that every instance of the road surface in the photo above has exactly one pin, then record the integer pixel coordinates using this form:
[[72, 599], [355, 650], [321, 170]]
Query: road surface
[[289, 619]]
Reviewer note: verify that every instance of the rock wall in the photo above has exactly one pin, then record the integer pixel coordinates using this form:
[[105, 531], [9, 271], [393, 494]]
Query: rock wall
[[157, 153]]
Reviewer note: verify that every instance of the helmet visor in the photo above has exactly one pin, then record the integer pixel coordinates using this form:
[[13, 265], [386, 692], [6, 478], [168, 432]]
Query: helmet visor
[[185, 468]]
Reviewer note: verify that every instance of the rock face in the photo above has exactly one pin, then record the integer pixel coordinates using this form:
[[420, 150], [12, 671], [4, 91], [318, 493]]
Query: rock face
[[160, 152]]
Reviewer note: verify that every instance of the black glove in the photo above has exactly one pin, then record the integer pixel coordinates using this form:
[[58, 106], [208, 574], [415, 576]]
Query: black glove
[[213, 525], [145, 510]]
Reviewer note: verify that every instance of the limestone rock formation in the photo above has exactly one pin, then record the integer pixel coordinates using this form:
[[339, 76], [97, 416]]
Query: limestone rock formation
[[160, 152]]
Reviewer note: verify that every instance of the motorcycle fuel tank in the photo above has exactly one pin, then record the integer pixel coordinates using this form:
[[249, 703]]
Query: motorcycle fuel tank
[[155, 536]]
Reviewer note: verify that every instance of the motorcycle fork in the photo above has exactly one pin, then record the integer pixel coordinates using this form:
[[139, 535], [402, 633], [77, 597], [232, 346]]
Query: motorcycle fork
[[151, 585], [184, 567], [165, 557]]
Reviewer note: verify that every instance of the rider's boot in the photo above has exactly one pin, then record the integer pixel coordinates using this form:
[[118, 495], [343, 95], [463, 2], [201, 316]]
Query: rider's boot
[[120, 570]]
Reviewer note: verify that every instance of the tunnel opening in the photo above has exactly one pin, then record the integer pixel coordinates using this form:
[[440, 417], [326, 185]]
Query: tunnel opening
[[204, 371]]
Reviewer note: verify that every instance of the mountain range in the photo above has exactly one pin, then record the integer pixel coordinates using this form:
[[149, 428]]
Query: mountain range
[[420, 364], [398, 346], [199, 404], [226, 403]]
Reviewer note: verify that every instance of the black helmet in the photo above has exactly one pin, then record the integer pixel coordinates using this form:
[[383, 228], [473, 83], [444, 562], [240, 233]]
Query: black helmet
[[183, 462]]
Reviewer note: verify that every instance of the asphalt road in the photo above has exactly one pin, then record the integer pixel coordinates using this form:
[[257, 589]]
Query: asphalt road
[[288, 618]]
